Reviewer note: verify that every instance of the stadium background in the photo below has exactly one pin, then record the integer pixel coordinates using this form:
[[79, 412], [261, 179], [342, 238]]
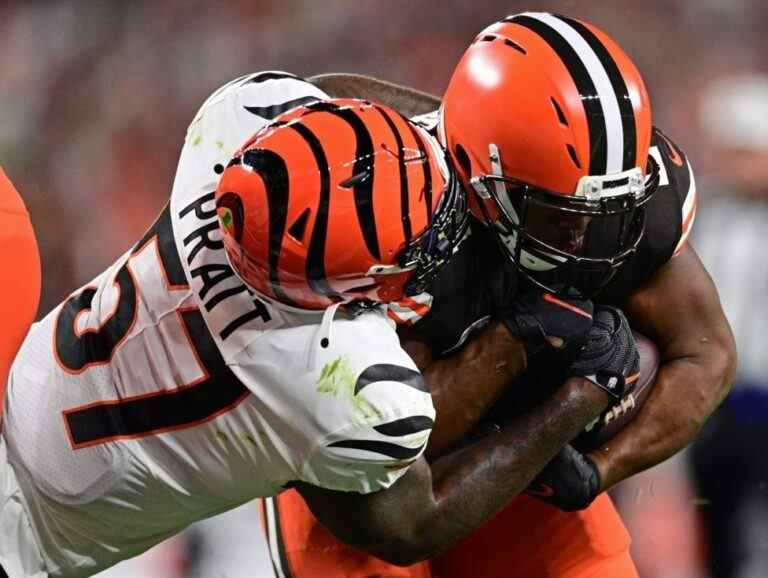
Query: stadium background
[[95, 98]]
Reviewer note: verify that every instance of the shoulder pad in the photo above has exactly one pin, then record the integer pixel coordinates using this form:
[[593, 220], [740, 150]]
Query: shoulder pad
[[669, 219], [677, 185]]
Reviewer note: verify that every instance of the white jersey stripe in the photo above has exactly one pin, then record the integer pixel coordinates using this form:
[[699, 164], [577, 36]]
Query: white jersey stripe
[[614, 130], [689, 211], [663, 174], [273, 538], [690, 197]]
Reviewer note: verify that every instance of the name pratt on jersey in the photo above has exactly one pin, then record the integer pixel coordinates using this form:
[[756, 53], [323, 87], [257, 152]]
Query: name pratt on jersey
[[213, 279]]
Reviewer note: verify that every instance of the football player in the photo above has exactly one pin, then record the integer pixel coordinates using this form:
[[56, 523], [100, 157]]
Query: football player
[[20, 294], [246, 344], [20, 276], [542, 112]]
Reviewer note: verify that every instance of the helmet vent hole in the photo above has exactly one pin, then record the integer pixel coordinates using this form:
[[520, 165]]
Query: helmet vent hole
[[488, 38], [360, 177], [514, 45], [462, 158], [559, 111], [574, 158], [299, 226]]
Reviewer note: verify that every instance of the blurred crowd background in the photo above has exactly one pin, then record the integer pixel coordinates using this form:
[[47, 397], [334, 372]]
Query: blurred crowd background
[[95, 98]]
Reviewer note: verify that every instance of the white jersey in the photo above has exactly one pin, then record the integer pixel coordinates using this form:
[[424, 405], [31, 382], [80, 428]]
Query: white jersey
[[165, 391]]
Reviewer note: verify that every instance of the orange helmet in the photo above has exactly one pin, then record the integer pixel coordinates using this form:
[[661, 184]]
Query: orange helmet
[[339, 201], [548, 122]]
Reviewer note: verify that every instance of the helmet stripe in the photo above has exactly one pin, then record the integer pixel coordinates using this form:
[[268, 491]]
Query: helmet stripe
[[315, 268], [614, 130], [362, 188], [271, 168], [427, 170], [593, 108], [404, 200], [619, 87]]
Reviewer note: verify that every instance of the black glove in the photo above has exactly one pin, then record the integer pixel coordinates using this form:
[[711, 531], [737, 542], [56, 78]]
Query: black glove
[[609, 359], [569, 482], [535, 316]]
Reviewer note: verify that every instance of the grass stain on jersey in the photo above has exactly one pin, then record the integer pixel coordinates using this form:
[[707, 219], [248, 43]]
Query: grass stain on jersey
[[337, 379]]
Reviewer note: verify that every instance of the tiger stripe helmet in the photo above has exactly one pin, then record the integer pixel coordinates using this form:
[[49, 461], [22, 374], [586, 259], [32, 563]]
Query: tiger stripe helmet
[[548, 122], [339, 201]]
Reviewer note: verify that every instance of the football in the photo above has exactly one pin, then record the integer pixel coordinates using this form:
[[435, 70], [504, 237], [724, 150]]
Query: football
[[617, 416]]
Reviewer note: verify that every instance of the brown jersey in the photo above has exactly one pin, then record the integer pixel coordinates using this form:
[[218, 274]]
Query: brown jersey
[[480, 281]]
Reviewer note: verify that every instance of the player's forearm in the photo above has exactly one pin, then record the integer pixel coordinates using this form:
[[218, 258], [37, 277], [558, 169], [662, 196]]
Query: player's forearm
[[473, 484], [432, 507], [406, 100], [680, 310], [465, 385], [686, 392]]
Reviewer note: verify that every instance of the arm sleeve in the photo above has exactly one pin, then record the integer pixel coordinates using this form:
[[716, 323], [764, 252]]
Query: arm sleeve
[[369, 458], [341, 403], [386, 415]]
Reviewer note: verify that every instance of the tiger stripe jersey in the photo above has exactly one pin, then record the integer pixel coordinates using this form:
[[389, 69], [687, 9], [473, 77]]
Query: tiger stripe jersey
[[166, 391]]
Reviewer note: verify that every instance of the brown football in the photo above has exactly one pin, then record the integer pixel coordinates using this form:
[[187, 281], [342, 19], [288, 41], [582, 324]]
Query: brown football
[[617, 416]]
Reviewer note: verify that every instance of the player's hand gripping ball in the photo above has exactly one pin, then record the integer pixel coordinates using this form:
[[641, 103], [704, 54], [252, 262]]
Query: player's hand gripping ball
[[619, 414], [571, 480]]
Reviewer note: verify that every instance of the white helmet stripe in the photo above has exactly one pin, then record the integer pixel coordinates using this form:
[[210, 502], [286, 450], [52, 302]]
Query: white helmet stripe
[[614, 131]]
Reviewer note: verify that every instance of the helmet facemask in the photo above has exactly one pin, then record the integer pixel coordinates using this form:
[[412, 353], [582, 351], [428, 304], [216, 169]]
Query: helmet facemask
[[426, 254], [429, 252], [567, 244]]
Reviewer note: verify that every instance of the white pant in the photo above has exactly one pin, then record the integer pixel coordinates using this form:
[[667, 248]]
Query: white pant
[[19, 554]]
